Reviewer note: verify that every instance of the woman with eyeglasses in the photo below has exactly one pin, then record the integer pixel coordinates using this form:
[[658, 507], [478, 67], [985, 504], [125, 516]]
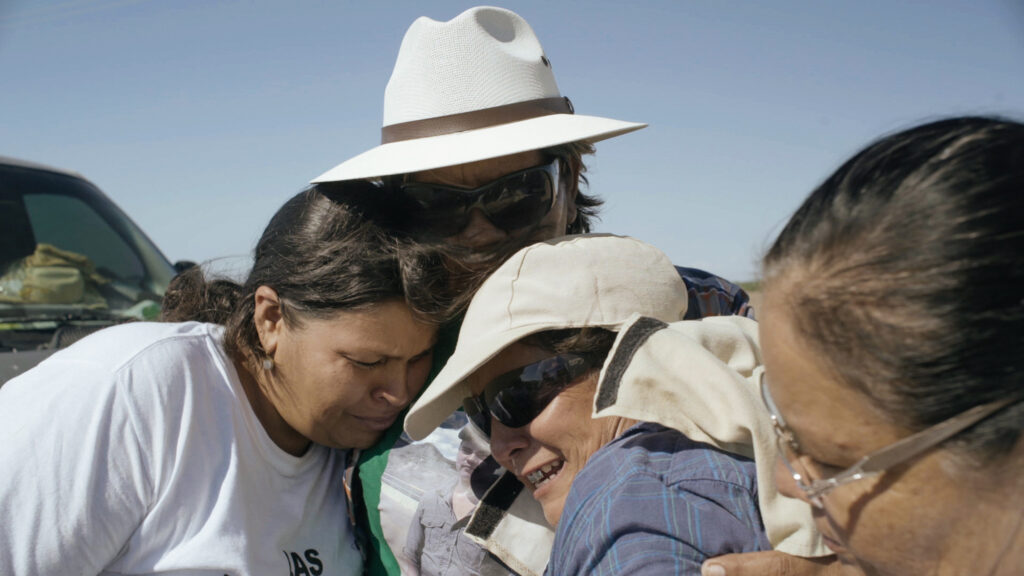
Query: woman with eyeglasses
[[627, 490], [893, 334]]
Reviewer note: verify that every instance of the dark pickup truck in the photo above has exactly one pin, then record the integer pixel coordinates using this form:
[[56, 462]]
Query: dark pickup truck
[[71, 263]]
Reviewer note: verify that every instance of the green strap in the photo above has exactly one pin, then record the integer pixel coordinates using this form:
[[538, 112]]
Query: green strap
[[380, 561]]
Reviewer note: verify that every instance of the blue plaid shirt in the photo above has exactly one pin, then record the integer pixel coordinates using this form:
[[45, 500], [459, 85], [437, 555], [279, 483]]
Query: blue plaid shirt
[[710, 295], [655, 502]]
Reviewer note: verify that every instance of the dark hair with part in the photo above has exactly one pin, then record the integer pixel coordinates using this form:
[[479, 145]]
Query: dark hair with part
[[321, 257], [904, 271]]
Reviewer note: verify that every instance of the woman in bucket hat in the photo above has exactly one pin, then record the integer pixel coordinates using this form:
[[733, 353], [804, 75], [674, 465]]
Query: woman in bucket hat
[[610, 410], [480, 155]]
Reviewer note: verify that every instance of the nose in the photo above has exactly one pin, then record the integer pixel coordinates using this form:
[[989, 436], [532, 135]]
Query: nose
[[786, 483], [506, 443], [394, 389], [479, 231]]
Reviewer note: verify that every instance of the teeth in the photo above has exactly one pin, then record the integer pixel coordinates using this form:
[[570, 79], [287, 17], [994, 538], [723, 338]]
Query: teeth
[[544, 474]]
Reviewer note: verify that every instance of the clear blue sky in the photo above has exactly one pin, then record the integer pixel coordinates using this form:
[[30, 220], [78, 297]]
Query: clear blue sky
[[200, 117]]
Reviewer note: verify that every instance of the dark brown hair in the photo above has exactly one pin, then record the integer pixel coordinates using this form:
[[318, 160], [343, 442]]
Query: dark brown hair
[[321, 256], [456, 271], [904, 272]]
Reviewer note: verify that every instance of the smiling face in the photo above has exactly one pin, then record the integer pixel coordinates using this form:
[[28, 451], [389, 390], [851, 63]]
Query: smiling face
[[548, 453], [919, 517], [341, 381]]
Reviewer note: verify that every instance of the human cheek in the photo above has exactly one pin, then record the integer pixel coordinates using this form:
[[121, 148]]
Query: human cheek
[[546, 430], [786, 483], [472, 461], [479, 232], [417, 374]]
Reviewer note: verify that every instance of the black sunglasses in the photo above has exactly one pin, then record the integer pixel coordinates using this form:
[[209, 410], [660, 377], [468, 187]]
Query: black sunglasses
[[517, 397], [511, 202]]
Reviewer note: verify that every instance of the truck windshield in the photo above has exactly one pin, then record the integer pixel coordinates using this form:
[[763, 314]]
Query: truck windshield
[[66, 251]]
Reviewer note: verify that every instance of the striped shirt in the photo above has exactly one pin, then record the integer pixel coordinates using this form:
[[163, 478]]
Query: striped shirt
[[655, 502], [710, 295]]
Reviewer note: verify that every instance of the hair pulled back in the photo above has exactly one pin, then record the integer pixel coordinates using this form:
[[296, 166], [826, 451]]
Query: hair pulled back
[[904, 272], [321, 257]]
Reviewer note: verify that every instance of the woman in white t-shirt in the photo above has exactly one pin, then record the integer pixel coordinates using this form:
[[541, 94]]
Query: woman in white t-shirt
[[219, 447]]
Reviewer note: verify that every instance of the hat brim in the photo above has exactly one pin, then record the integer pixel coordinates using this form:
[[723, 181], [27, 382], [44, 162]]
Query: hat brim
[[474, 145], [445, 393]]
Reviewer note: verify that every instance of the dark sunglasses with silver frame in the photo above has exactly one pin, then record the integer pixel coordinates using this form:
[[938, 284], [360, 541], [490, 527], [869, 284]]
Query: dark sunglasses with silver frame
[[512, 202], [815, 486], [518, 396]]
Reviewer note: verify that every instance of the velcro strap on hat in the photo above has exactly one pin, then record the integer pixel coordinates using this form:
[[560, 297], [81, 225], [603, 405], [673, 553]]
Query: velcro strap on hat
[[476, 119]]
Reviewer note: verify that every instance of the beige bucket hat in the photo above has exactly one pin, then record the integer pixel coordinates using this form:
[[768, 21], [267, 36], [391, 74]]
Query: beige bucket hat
[[597, 280], [475, 87]]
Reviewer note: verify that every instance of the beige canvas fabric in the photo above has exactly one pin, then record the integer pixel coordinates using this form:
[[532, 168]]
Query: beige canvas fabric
[[478, 86], [701, 377], [573, 281], [521, 537]]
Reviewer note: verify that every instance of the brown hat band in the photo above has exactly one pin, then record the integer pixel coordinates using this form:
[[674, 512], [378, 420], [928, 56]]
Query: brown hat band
[[476, 119]]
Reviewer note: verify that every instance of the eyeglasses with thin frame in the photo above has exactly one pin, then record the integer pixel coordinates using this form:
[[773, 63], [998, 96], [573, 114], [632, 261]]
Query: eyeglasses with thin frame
[[511, 202], [815, 486]]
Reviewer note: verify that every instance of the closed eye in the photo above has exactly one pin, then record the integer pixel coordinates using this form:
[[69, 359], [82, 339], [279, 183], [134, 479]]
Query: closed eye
[[367, 364]]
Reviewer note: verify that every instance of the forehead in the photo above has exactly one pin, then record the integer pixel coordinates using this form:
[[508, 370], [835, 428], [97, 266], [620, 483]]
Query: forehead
[[388, 328], [476, 174], [514, 356], [825, 414]]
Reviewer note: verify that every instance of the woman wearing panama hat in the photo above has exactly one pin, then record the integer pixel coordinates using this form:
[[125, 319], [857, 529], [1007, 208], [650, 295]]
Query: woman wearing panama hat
[[482, 155]]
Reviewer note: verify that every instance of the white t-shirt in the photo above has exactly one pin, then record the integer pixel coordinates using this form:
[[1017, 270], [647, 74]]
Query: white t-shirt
[[135, 451]]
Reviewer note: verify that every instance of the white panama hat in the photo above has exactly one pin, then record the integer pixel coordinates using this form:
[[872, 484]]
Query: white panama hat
[[597, 280], [476, 87]]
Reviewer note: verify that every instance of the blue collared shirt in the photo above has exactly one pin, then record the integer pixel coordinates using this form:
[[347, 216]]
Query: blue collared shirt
[[655, 502]]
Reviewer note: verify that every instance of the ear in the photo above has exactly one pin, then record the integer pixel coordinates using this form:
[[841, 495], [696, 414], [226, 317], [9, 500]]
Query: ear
[[268, 318]]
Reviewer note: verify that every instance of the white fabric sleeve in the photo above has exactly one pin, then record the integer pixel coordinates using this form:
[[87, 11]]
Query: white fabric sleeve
[[74, 479]]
